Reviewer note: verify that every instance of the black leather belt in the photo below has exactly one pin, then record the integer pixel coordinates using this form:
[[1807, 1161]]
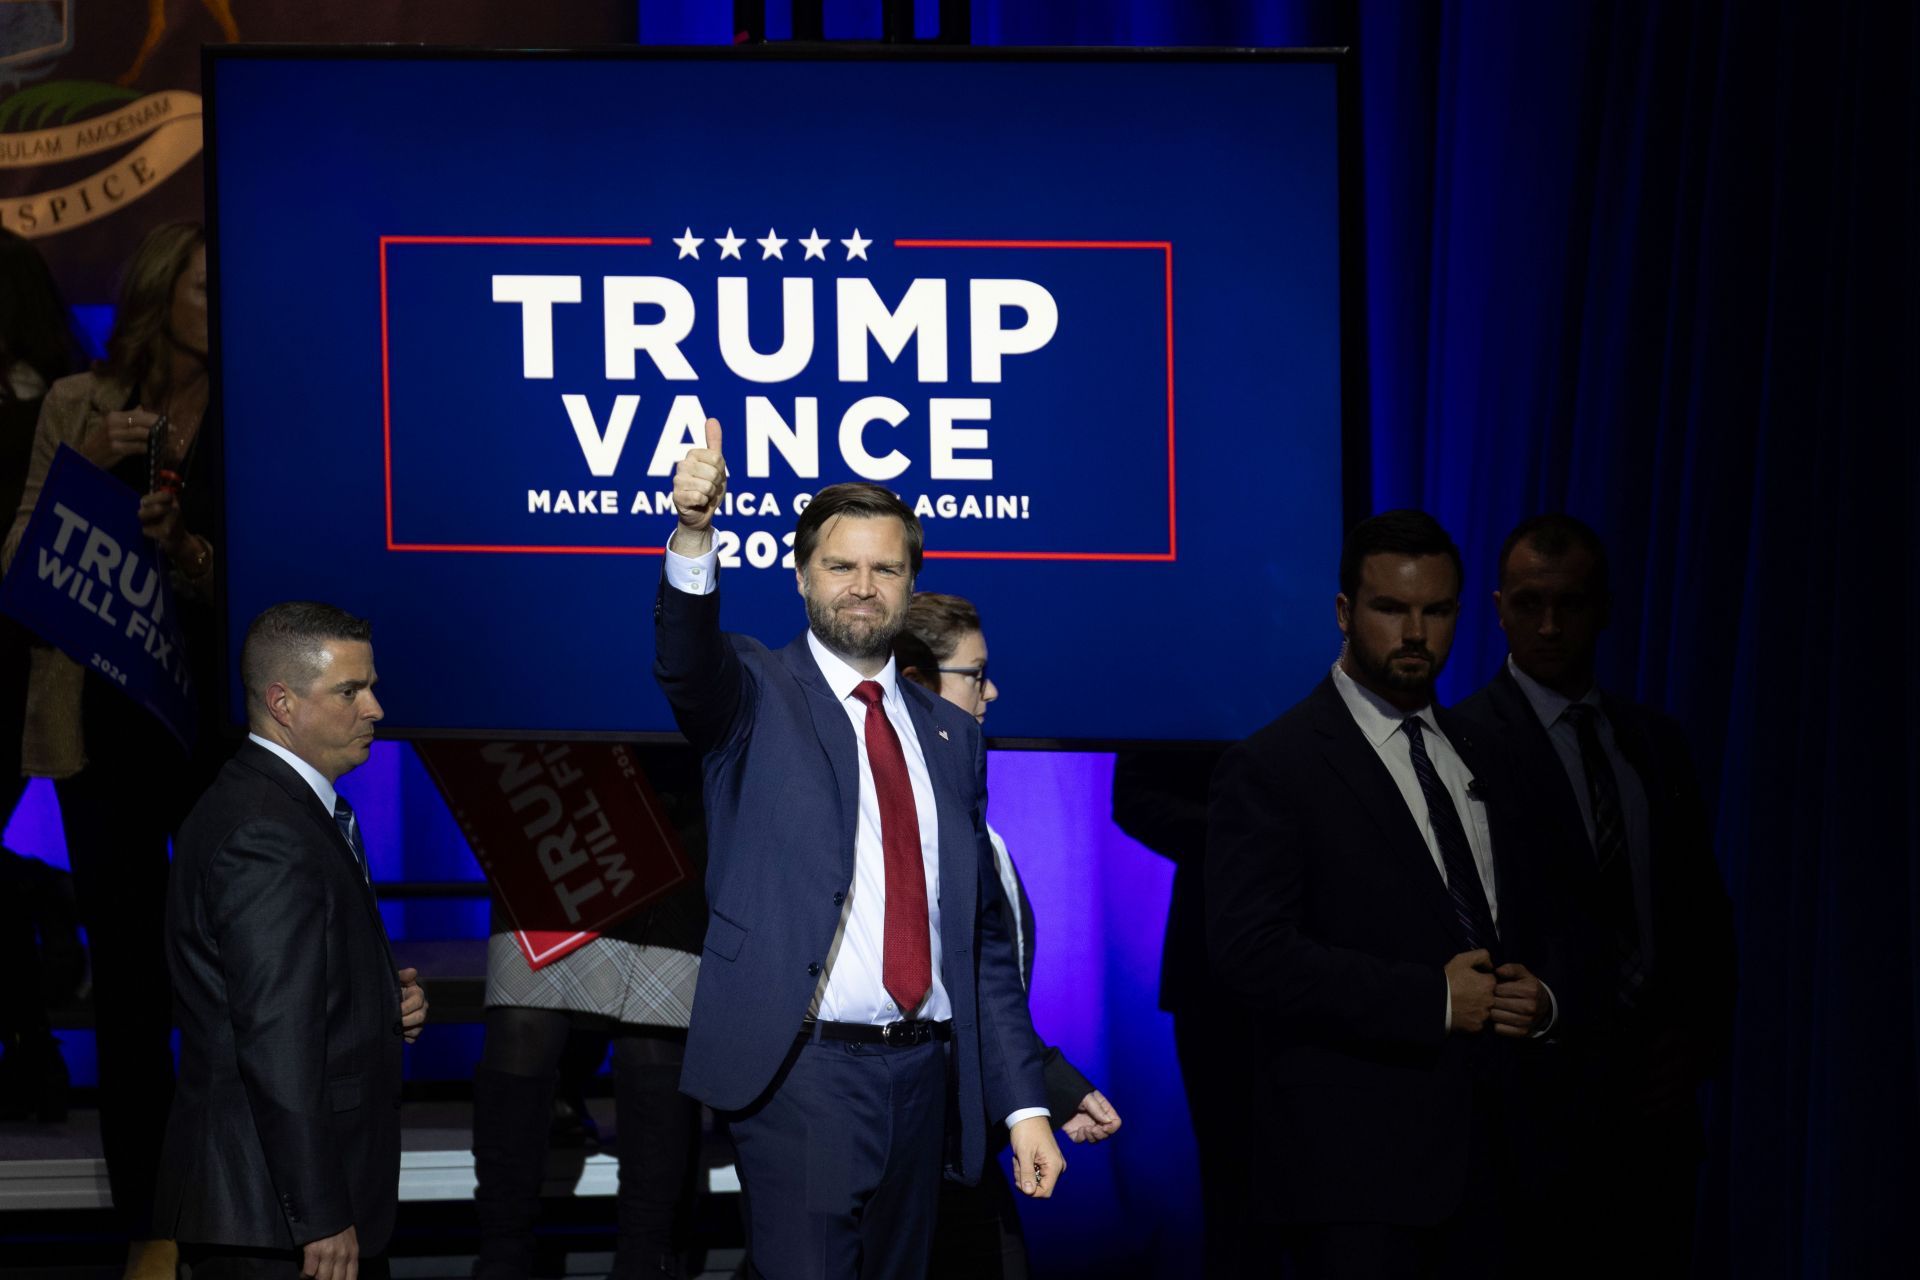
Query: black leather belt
[[895, 1035]]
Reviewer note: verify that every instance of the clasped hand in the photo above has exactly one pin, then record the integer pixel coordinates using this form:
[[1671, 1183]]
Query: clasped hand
[[1516, 1003]]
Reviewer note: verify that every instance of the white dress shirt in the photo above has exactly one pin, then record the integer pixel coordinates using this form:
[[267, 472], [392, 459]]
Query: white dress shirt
[[1383, 726], [1550, 708], [1010, 883], [850, 988]]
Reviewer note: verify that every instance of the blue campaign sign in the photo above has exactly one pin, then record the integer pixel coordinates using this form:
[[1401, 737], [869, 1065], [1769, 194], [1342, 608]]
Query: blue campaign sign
[[90, 583], [1084, 313]]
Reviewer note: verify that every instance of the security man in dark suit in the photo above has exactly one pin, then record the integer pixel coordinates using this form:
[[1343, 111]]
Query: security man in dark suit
[[1372, 909], [1611, 786], [282, 1154]]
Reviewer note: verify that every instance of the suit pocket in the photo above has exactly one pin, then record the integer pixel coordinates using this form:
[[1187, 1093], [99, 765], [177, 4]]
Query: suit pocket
[[344, 1093], [724, 937]]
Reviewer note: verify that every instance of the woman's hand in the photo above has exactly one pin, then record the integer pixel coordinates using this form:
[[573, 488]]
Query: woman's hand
[[116, 436], [161, 521]]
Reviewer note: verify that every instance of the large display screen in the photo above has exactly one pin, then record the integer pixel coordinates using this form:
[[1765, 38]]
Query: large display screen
[[1083, 312]]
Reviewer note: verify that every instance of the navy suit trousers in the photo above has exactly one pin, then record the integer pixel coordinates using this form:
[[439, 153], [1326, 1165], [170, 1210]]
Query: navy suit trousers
[[841, 1162]]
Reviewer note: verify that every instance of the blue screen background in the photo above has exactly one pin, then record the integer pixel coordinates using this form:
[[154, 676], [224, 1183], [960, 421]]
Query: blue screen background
[[1232, 161]]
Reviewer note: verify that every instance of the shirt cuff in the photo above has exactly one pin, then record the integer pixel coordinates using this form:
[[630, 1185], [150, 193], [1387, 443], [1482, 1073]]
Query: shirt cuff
[[1553, 1016], [695, 575], [1025, 1113], [1447, 1028]]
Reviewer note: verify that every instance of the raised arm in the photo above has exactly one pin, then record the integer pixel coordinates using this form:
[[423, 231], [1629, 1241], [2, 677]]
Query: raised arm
[[694, 662]]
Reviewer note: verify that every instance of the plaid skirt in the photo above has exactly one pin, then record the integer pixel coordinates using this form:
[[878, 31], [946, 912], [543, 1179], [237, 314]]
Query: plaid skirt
[[641, 972]]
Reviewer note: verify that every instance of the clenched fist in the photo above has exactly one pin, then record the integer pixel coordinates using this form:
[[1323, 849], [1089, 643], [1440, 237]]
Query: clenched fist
[[699, 483], [1470, 984]]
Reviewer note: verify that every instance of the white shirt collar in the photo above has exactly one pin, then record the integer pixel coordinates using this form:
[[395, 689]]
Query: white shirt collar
[[1378, 719], [1547, 704], [842, 678], [314, 778]]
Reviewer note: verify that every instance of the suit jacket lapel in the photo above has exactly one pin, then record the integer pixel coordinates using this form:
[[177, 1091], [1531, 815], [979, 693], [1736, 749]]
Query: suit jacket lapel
[[1474, 754], [265, 763], [1538, 758], [835, 734], [953, 803], [1353, 758]]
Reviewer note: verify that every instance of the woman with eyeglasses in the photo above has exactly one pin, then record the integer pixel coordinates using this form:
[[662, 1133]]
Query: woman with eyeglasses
[[943, 648]]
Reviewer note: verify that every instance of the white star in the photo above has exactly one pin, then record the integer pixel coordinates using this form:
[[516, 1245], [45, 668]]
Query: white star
[[729, 244], [857, 246], [816, 245], [689, 244], [770, 245]]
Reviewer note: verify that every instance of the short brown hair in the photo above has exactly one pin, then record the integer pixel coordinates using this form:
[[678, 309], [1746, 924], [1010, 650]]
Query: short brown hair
[[286, 643], [861, 500], [939, 621]]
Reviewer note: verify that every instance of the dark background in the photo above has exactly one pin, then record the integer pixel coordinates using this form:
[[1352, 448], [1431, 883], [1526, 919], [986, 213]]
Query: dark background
[[1651, 263]]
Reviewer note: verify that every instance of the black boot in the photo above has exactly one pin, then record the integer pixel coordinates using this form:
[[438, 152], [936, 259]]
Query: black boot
[[658, 1135], [511, 1120]]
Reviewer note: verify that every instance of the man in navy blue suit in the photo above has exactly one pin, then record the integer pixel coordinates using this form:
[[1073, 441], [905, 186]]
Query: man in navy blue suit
[[859, 1009]]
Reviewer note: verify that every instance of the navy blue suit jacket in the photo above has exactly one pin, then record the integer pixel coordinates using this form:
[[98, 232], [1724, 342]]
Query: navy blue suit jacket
[[782, 776]]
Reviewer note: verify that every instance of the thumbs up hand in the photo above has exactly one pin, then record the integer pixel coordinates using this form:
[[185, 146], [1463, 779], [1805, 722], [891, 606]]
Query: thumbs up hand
[[699, 483]]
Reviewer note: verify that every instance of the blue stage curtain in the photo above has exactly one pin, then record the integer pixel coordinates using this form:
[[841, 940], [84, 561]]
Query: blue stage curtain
[[1655, 264]]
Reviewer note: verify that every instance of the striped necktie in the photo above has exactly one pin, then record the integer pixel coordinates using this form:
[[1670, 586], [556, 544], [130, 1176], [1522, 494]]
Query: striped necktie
[[1463, 877], [1621, 920], [350, 828]]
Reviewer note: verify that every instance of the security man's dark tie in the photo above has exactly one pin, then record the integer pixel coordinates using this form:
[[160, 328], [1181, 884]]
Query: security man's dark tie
[[1463, 877], [1619, 915], [350, 828]]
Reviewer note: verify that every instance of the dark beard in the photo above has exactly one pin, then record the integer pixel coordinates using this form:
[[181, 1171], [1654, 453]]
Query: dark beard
[[1382, 672], [849, 639]]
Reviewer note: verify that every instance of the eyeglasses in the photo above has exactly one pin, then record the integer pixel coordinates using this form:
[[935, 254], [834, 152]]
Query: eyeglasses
[[976, 674]]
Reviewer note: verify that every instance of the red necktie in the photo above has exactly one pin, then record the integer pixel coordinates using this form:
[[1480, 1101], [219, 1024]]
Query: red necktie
[[906, 965]]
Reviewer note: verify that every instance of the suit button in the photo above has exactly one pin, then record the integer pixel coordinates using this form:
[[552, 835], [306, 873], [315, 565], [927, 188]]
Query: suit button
[[813, 970], [839, 897]]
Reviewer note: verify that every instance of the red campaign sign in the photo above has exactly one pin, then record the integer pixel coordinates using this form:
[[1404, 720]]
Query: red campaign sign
[[569, 834]]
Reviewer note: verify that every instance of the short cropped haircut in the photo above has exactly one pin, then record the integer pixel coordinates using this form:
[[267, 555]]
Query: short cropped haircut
[[1553, 535], [1402, 533], [860, 500], [287, 643]]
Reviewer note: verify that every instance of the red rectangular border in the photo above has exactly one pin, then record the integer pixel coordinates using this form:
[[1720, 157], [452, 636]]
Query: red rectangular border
[[1165, 247]]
